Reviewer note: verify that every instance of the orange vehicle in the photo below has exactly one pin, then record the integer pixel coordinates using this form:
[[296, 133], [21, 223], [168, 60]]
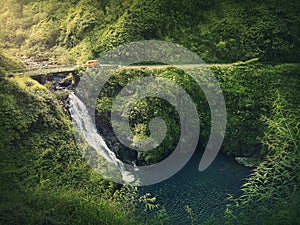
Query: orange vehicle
[[91, 63]]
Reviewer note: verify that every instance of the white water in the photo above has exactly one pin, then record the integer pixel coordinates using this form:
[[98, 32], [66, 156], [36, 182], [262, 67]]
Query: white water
[[84, 123]]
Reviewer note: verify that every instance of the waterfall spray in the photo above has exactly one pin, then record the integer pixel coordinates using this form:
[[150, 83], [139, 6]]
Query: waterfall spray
[[83, 121]]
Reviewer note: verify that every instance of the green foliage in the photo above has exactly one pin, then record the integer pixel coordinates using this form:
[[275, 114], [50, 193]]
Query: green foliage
[[81, 19], [146, 109], [217, 32], [248, 91], [271, 193], [160, 218], [190, 215], [226, 31], [148, 201], [43, 177], [211, 221], [8, 62], [59, 206]]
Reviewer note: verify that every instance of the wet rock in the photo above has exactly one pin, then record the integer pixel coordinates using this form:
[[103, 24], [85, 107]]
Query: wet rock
[[247, 161]]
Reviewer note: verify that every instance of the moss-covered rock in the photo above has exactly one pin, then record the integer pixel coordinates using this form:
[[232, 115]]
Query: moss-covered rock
[[247, 161]]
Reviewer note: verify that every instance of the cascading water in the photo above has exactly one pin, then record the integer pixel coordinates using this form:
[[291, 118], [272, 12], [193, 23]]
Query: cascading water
[[84, 123]]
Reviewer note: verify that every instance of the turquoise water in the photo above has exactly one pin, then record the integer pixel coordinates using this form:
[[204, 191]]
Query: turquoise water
[[204, 192]]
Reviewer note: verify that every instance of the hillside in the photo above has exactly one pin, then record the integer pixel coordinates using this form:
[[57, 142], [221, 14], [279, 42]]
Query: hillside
[[254, 51], [249, 91], [43, 179], [9, 63], [218, 31]]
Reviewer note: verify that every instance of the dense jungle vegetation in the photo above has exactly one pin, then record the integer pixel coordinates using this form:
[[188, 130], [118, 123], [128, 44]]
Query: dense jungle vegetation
[[44, 178], [263, 122], [249, 92], [218, 31]]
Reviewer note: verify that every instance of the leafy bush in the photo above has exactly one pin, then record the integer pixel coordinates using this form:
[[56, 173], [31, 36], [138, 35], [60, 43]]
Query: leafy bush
[[43, 177], [271, 193]]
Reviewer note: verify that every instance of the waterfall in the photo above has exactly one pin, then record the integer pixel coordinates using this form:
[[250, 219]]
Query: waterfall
[[83, 121]]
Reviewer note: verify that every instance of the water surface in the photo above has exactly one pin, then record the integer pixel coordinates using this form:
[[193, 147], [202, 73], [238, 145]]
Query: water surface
[[204, 192]]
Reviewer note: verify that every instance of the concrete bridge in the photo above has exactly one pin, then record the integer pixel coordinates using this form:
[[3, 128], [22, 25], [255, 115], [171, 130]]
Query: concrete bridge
[[44, 74], [47, 70], [70, 69]]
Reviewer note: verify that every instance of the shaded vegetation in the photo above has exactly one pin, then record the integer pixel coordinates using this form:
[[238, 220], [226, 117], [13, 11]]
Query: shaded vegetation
[[43, 177], [144, 110], [249, 93], [271, 194]]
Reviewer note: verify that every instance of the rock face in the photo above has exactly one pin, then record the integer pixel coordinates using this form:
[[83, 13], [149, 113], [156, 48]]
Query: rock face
[[67, 81], [123, 153], [247, 161]]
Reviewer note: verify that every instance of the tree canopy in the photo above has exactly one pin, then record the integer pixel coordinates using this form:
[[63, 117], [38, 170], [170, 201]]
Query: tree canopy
[[226, 31]]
